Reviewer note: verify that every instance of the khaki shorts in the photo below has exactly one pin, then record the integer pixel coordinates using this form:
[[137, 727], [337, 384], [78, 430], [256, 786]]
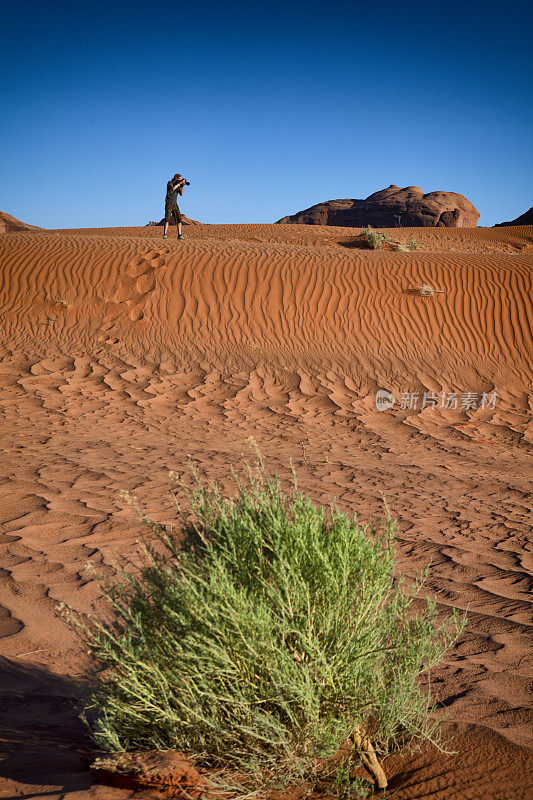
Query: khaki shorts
[[172, 210]]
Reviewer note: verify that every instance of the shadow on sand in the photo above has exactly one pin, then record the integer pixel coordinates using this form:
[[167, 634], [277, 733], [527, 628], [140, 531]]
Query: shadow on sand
[[357, 243], [44, 745]]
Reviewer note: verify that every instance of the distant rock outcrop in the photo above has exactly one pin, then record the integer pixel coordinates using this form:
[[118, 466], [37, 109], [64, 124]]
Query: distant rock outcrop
[[523, 219], [185, 220], [393, 208], [9, 224]]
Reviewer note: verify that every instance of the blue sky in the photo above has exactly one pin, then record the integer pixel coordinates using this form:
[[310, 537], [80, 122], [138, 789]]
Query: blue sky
[[267, 108]]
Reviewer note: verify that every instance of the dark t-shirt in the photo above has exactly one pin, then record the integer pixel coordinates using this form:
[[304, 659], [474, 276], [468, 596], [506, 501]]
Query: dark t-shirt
[[171, 196]]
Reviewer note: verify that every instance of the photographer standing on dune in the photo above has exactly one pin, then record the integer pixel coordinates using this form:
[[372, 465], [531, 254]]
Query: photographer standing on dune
[[174, 188]]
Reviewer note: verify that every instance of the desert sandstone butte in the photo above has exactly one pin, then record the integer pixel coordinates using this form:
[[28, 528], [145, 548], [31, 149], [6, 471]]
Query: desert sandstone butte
[[393, 208], [524, 219], [123, 355]]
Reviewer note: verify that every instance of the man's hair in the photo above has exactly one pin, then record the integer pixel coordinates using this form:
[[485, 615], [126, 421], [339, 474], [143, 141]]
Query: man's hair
[[177, 175]]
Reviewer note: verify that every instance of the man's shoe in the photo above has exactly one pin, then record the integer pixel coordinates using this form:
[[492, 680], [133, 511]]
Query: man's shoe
[[164, 236], [180, 236]]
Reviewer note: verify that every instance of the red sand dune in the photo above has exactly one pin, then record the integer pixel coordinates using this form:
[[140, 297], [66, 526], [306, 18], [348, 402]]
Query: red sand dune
[[123, 354]]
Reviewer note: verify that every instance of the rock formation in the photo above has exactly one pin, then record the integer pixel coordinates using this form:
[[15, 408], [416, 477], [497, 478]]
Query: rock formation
[[393, 208], [164, 770], [523, 219], [9, 224], [185, 221]]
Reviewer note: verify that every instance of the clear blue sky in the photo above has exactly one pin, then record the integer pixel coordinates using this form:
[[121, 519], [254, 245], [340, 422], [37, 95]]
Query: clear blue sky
[[267, 107]]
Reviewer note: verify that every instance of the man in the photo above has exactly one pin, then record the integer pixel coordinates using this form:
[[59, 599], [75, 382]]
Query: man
[[174, 187]]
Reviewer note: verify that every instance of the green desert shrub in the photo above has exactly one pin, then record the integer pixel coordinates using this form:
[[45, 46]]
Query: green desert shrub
[[264, 637], [375, 238]]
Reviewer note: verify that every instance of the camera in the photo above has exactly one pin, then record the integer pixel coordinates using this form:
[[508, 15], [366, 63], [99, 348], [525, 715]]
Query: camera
[[186, 183]]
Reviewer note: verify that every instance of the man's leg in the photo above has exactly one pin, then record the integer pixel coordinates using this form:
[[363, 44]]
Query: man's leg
[[177, 217], [165, 229], [167, 221]]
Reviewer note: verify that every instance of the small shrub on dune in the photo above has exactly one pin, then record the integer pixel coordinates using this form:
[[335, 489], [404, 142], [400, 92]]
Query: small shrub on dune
[[375, 238], [276, 636]]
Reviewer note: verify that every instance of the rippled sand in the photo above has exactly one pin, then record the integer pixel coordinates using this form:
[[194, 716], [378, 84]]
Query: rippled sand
[[123, 354]]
